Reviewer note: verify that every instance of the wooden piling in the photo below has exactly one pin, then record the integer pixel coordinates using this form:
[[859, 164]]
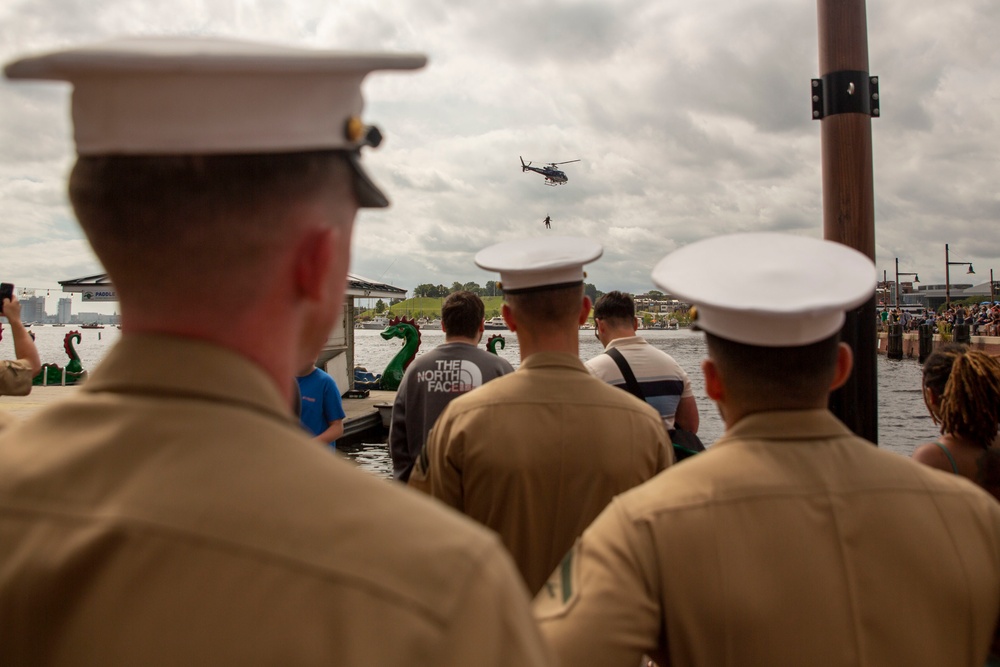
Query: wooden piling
[[848, 201], [895, 346]]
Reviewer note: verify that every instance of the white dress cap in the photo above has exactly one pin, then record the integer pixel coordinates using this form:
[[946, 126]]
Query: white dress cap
[[768, 289], [539, 263], [185, 95]]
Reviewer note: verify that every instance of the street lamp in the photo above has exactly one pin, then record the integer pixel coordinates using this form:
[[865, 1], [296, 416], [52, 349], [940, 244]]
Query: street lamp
[[947, 275], [883, 288], [916, 279]]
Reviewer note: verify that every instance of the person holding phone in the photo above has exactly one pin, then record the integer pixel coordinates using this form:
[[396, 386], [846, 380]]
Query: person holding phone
[[16, 374]]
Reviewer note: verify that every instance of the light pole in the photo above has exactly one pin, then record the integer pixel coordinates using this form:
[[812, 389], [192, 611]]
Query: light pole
[[947, 275], [884, 290], [916, 279]]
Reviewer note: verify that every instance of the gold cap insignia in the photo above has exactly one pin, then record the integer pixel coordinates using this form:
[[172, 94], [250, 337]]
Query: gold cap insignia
[[354, 129]]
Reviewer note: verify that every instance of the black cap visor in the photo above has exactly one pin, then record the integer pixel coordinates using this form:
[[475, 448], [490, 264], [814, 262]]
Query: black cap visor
[[369, 195]]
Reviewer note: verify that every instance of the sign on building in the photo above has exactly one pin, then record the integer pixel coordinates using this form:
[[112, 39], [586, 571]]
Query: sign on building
[[100, 295]]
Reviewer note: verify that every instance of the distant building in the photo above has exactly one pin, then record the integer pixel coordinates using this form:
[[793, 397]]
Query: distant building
[[934, 296], [96, 318], [33, 309], [65, 312]]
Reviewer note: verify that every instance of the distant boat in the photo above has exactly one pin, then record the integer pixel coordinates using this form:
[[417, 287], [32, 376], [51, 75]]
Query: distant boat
[[58, 325], [92, 326], [495, 323], [376, 323]]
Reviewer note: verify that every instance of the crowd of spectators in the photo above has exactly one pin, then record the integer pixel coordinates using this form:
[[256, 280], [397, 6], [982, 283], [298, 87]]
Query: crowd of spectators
[[983, 319]]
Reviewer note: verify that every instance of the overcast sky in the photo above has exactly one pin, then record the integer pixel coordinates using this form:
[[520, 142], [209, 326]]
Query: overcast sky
[[691, 119]]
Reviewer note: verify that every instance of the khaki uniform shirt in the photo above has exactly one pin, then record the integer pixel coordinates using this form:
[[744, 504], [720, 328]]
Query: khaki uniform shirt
[[789, 542], [171, 512], [537, 454], [15, 377]]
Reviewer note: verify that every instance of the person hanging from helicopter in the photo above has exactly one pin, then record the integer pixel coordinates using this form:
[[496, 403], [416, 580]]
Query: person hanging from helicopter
[[548, 222]]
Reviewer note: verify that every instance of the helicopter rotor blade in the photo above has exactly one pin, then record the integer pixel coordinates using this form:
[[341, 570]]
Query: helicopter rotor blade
[[566, 162]]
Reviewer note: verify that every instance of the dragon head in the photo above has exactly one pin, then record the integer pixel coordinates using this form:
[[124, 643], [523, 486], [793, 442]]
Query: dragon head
[[68, 342], [493, 341], [401, 327]]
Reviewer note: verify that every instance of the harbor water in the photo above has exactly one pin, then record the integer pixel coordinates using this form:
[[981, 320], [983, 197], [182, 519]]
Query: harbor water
[[903, 422]]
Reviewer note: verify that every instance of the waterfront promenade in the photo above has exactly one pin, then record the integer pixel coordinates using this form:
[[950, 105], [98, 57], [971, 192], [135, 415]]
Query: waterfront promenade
[[911, 344]]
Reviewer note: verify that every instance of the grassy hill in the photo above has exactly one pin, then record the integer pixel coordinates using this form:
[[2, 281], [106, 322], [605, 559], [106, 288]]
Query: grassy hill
[[430, 307]]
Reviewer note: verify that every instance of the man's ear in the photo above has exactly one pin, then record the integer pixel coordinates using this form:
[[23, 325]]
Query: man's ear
[[313, 260], [585, 309], [713, 381], [845, 362], [508, 317]]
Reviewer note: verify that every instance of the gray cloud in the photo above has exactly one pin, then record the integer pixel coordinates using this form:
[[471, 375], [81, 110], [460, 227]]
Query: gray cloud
[[690, 120]]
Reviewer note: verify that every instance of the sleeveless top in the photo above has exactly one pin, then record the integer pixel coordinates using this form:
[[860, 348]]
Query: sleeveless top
[[951, 459]]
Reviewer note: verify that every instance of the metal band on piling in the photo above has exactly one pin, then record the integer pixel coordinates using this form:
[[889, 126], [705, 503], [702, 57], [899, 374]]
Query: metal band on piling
[[847, 91]]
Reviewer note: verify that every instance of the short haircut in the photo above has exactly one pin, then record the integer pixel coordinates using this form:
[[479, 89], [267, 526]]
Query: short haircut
[[548, 308], [779, 376], [966, 384], [617, 307], [180, 222], [462, 314]]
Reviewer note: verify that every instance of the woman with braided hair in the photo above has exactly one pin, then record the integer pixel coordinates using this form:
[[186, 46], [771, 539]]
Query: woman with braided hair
[[962, 391]]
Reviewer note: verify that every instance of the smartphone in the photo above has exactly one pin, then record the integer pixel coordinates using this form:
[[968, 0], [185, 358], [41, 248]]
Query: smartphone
[[6, 292]]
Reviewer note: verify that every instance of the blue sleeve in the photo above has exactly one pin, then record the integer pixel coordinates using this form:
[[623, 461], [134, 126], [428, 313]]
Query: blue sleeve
[[333, 408]]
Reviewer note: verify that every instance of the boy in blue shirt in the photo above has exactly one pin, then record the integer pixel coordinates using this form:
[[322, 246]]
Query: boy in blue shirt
[[322, 411]]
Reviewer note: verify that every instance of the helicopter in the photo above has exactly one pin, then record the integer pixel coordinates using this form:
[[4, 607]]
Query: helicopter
[[552, 175]]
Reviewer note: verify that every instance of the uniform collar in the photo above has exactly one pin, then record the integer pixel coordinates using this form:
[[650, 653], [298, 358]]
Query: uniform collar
[[553, 360], [167, 365], [791, 425]]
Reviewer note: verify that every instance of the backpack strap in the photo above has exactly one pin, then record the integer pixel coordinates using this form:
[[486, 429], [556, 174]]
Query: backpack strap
[[631, 384]]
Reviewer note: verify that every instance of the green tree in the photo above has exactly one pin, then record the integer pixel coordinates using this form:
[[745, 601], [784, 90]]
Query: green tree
[[590, 290], [656, 294], [441, 291], [379, 307], [474, 288], [456, 287], [491, 288], [425, 290]]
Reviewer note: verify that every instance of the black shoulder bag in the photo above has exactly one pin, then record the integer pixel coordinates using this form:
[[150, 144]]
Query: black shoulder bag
[[685, 443]]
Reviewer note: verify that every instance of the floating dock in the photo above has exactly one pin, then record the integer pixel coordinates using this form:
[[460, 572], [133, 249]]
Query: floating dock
[[363, 424]]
